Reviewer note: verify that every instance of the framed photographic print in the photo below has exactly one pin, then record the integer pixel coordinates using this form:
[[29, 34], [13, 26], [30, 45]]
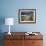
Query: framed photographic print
[[27, 15]]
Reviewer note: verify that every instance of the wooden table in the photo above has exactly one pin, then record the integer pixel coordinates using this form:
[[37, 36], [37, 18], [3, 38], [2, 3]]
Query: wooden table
[[20, 39]]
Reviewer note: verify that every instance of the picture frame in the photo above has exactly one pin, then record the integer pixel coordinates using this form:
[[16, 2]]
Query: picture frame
[[27, 15]]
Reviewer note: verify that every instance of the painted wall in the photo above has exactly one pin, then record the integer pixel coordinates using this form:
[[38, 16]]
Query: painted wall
[[9, 8]]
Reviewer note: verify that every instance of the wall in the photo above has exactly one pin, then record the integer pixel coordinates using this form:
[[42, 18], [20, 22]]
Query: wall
[[9, 8]]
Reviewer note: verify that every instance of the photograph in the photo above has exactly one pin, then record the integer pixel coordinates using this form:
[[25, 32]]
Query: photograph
[[27, 15]]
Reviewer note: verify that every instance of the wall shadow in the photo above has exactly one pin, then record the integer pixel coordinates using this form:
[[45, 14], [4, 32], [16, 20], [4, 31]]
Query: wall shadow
[[2, 21]]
